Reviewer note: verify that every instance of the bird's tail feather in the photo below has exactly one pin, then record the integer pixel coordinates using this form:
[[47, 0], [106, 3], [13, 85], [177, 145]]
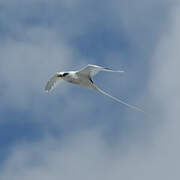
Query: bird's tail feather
[[118, 100]]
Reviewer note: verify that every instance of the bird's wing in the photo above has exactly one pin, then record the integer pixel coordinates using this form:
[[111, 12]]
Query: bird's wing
[[118, 100], [52, 83], [91, 70]]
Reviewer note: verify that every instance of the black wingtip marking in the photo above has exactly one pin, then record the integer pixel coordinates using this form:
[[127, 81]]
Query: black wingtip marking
[[91, 80], [108, 68]]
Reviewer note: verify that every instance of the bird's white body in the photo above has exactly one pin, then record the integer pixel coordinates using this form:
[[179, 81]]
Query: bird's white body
[[71, 77], [83, 78]]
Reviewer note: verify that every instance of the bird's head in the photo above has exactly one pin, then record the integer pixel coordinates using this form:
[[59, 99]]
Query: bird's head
[[61, 74]]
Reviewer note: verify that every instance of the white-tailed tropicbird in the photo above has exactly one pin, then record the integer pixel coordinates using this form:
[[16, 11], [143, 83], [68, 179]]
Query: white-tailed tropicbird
[[83, 77]]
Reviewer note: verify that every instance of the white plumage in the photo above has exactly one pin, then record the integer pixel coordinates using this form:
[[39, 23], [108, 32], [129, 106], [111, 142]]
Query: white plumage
[[83, 77]]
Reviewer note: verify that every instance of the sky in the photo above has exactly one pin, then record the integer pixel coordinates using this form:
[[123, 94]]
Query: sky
[[76, 133]]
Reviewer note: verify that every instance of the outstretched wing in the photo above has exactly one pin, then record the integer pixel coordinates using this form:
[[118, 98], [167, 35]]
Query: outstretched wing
[[52, 83], [91, 70], [118, 100]]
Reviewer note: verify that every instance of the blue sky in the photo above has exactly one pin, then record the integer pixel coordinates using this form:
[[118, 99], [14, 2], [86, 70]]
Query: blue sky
[[74, 132]]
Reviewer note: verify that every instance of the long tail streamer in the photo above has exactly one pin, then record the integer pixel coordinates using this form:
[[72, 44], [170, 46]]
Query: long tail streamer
[[118, 100]]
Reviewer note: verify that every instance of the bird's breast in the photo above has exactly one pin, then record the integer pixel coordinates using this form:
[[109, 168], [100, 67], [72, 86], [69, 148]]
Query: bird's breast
[[72, 78]]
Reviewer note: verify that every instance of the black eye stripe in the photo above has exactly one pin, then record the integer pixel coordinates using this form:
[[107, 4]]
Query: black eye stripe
[[65, 74]]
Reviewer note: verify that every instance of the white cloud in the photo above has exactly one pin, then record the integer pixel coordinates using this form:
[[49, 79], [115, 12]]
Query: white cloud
[[84, 156], [25, 66]]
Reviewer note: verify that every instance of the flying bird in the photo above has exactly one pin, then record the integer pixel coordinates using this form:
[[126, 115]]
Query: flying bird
[[83, 78]]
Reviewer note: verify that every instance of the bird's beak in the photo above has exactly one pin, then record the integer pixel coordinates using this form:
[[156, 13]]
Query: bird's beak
[[59, 75]]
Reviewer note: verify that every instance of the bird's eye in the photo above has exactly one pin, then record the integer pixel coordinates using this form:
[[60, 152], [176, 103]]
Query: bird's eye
[[65, 74]]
